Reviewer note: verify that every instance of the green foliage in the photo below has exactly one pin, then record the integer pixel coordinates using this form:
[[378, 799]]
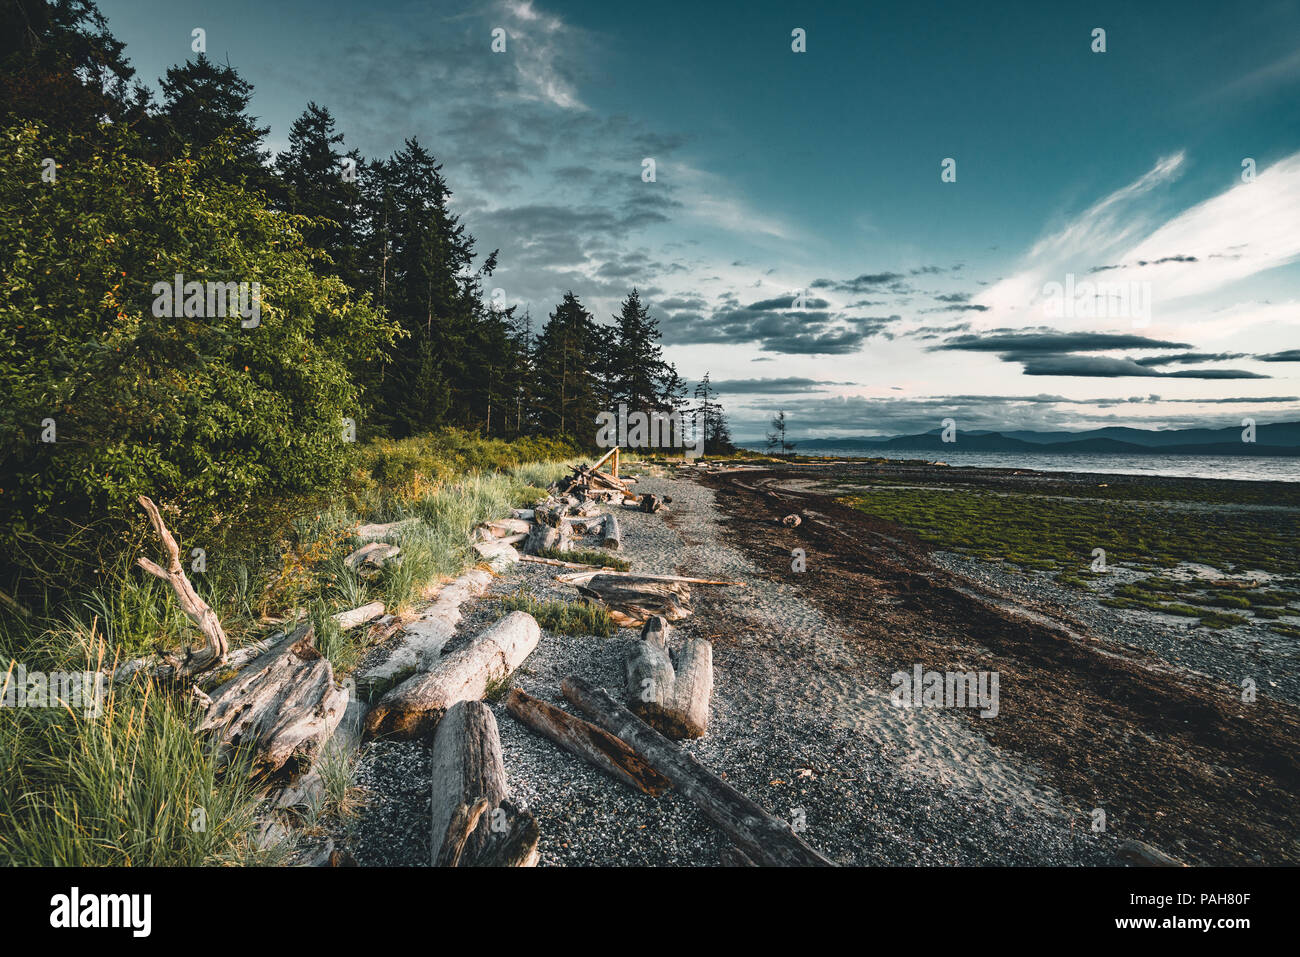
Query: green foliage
[[196, 412], [562, 617]]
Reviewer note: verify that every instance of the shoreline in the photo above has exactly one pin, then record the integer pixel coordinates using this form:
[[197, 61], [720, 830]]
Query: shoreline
[[803, 722]]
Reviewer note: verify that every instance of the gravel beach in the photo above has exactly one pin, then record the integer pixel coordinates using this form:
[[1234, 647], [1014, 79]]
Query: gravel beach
[[795, 726]]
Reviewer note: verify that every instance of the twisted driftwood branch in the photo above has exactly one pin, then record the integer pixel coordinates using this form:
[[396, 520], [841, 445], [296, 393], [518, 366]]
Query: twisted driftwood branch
[[214, 653]]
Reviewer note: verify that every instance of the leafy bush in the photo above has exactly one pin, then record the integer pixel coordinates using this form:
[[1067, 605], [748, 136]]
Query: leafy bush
[[194, 411]]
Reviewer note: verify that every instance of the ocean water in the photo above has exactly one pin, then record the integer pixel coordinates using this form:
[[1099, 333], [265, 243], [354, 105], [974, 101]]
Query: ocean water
[[1255, 468]]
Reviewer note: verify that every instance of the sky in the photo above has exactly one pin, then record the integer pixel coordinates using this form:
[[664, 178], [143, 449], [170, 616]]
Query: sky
[[933, 210]]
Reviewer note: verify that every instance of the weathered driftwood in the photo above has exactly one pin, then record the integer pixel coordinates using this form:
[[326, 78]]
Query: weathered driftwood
[[610, 534], [284, 706], [587, 741], [514, 840], [473, 823], [1141, 854], [372, 556], [308, 789], [672, 700], [507, 526], [593, 569], [526, 514], [359, 616], [417, 705], [632, 600], [498, 554], [545, 538], [735, 857], [763, 838], [419, 646], [583, 577], [191, 661], [382, 533]]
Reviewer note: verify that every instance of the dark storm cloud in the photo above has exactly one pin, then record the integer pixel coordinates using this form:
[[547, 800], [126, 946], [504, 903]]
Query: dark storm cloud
[[1186, 358], [1149, 262], [1290, 355], [787, 302], [1103, 367], [1029, 343], [771, 386], [772, 326], [867, 282]]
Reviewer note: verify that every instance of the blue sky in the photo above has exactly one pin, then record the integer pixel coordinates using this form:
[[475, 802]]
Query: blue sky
[[779, 172]]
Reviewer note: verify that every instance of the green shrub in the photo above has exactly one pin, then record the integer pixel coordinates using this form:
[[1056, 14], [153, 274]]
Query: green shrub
[[199, 413]]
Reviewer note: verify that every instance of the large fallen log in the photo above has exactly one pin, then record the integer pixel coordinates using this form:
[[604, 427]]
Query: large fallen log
[[587, 741], [765, 839], [419, 646], [283, 706], [417, 705], [472, 822], [632, 600], [190, 661], [672, 700]]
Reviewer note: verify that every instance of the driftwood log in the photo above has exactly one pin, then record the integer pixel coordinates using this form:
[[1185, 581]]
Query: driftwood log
[[284, 706], [416, 705], [543, 538], [672, 700], [763, 838], [632, 601], [587, 741], [610, 534], [359, 616], [214, 652], [473, 823]]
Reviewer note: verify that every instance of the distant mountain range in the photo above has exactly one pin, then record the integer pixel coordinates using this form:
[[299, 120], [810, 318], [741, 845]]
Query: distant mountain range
[[1282, 438]]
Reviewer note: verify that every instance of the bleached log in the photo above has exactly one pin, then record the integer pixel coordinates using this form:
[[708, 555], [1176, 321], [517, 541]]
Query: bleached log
[[542, 538], [419, 645], [583, 577], [417, 705], [611, 535], [587, 741], [359, 616], [472, 822], [214, 652], [283, 706], [632, 601], [562, 564], [765, 839], [693, 690], [673, 699], [384, 532], [525, 514], [507, 526], [497, 554], [373, 555]]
